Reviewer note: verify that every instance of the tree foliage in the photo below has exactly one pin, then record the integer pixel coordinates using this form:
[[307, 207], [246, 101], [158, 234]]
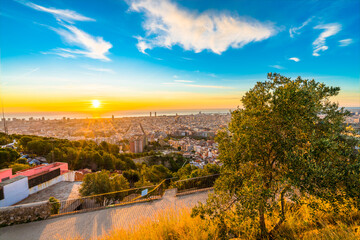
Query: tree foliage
[[7, 157], [18, 166], [102, 182], [287, 140]]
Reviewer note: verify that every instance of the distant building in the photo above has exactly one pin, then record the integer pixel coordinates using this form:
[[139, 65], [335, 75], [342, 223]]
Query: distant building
[[137, 144], [113, 118]]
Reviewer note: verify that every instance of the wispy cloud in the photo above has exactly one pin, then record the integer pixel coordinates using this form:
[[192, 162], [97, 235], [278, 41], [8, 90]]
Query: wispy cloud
[[167, 25], [345, 42], [212, 75], [183, 81], [295, 59], [208, 86], [171, 83], [329, 30], [277, 66], [106, 70], [89, 46], [30, 72], [60, 14], [296, 30]]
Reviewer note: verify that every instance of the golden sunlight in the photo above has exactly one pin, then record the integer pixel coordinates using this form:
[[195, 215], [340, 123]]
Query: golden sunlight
[[95, 103]]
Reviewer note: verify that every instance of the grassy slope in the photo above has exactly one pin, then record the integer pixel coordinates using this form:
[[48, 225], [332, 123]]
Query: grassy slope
[[302, 223]]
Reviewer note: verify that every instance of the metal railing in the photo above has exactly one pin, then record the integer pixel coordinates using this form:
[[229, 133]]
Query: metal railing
[[132, 195], [109, 199], [194, 184]]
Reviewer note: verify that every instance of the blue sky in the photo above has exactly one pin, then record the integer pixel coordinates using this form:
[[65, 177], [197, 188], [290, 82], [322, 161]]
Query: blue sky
[[157, 51]]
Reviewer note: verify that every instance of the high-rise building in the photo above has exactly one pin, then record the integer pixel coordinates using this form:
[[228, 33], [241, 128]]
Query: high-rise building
[[150, 114], [155, 114], [113, 118], [138, 141], [137, 144]]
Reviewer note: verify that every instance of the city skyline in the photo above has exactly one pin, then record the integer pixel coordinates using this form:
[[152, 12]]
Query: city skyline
[[60, 56]]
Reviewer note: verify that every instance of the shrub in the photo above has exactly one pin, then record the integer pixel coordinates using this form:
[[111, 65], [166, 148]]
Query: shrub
[[54, 205]]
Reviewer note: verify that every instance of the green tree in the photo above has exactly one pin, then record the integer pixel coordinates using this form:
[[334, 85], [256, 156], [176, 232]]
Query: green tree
[[132, 176], [21, 161], [7, 156], [157, 173], [24, 141], [5, 139], [39, 147], [103, 182], [185, 171], [18, 166], [288, 136]]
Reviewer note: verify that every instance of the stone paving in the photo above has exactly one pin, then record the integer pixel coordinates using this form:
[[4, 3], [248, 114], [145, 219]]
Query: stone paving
[[89, 225], [61, 191]]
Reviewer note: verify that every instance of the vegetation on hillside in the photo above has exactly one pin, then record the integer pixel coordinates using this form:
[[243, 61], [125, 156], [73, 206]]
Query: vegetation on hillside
[[303, 223], [103, 182], [287, 141]]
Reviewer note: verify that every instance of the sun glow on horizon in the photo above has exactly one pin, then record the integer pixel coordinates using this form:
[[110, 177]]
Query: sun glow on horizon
[[95, 103]]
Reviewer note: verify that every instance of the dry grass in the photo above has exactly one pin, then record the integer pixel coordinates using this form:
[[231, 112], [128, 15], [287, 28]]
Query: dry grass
[[167, 225], [302, 223]]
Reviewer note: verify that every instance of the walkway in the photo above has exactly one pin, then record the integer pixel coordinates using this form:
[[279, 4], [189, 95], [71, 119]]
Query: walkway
[[92, 224], [62, 191]]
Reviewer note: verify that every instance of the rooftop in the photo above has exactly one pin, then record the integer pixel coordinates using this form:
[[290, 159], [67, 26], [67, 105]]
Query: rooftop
[[14, 179]]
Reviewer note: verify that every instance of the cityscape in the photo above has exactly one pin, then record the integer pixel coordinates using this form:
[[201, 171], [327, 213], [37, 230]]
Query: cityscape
[[169, 119]]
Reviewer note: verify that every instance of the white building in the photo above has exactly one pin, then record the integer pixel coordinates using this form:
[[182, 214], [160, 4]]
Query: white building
[[13, 190]]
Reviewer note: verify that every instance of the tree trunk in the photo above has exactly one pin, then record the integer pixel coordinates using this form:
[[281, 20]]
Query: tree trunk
[[282, 213], [263, 231]]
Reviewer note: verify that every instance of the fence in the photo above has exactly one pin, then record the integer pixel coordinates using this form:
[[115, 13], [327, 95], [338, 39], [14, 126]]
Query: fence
[[109, 199], [194, 184], [131, 195]]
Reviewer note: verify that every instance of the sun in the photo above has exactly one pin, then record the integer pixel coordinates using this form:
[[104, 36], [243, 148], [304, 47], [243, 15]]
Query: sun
[[95, 103]]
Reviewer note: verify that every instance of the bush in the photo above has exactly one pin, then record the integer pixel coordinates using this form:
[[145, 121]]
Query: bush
[[18, 166], [54, 205]]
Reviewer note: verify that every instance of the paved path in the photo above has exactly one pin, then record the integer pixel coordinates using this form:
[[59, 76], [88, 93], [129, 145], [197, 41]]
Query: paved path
[[92, 224], [62, 191]]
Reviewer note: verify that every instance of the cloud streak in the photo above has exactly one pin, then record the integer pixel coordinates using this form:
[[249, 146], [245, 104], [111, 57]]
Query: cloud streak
[[296, 30], [295, 59], [105, 70], [183, 81], [60, 14], [277, 66], [208, 86], [89, 46], [345, 42], [329, 30], [166, 25]]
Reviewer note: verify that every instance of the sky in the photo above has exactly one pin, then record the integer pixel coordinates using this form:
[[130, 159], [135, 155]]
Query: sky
[[141, 55]]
